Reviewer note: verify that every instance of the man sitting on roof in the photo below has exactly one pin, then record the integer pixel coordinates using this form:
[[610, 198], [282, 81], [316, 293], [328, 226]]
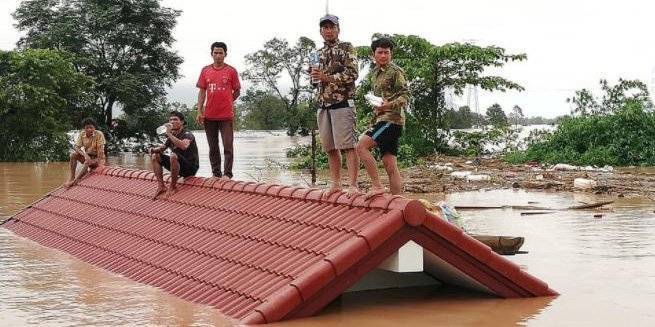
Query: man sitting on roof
[[89, 150], [183, 160]]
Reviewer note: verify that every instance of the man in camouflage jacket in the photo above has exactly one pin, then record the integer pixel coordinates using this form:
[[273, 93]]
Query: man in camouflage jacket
[[336, 117], [389, 83]]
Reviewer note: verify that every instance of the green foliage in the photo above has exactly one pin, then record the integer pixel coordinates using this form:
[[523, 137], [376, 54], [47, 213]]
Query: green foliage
[[496, 116], [613, 99], [301, 156], [432, 70], [462, 118], [124, 45], [279, 60], [474, 143], [261, 110], [40, 91], [624, 137]]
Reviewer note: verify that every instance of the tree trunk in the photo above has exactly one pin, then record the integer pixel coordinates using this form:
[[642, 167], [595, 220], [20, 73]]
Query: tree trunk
[[108, 111]]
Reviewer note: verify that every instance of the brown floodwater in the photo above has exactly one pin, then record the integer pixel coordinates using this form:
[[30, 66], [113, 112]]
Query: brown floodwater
[[603, 267]]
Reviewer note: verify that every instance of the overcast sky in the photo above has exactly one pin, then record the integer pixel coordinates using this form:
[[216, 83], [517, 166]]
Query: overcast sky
[[570, 44]]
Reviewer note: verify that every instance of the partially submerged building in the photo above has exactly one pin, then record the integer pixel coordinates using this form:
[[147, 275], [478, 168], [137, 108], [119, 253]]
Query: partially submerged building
[[261, 253]]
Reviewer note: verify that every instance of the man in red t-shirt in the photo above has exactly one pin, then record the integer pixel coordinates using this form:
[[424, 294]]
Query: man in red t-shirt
[[218, 86]]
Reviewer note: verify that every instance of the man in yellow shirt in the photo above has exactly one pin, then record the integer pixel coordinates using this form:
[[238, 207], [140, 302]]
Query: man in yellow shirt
[[89, 150]]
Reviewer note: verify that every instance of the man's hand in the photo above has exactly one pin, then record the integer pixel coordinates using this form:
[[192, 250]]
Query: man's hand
[[317, 74], [383, 108], [93, 163], [200, 119], [154, 150]]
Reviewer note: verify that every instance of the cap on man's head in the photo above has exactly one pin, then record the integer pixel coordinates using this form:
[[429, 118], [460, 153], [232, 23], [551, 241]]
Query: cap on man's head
[[329, 18]]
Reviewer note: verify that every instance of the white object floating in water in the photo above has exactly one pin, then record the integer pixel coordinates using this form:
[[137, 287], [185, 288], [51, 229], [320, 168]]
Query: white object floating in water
[[561, 166], [441, 167], [460, 174], [478, 178], [584, 183]]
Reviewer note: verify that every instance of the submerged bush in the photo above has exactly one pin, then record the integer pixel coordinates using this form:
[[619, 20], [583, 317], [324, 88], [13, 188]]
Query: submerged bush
[[624, 137]]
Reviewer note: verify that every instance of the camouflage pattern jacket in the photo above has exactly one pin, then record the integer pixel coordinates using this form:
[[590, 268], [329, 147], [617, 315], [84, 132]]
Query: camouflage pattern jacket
[[389, 83], [339, 63]]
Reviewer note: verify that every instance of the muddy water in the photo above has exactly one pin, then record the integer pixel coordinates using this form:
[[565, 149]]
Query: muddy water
[[603, 267]]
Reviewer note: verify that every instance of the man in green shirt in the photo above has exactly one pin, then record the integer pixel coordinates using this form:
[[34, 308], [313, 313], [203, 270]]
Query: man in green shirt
[[388, 81]]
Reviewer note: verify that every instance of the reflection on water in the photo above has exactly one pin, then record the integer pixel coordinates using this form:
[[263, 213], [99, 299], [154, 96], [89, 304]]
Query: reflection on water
[[603, 267]]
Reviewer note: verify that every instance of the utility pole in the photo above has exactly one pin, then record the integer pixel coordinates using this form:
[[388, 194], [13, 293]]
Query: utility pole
[[652, 85]]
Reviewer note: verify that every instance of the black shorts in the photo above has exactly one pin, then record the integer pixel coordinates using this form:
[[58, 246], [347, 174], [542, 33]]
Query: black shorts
[[186, 167], [386, 135]]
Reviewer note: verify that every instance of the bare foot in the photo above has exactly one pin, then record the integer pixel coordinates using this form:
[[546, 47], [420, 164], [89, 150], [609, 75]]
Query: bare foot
[[161, 189], [327, 193], [373, 192], [171, 191], [69, 184], [352, 191], [225, 178]]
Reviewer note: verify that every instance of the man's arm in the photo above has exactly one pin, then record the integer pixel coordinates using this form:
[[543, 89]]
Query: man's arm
[[400, 98], [182, 144], [158, 149], [235, 94], [101, 155], [78, 149], [202, 95]]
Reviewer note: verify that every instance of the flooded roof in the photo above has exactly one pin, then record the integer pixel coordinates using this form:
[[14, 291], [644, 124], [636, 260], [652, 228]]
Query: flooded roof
[[257, 252]]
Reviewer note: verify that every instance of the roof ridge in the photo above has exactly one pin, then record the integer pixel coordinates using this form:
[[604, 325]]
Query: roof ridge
[[381, 202]]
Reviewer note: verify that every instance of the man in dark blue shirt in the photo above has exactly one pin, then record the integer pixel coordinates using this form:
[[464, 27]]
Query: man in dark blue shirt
[[183, 160]]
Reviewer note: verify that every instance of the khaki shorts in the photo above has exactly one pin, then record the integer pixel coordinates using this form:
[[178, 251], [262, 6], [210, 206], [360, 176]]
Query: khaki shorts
[[337, 128]]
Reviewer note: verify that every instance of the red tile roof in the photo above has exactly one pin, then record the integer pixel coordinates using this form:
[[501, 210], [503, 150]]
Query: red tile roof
[[257, 252]]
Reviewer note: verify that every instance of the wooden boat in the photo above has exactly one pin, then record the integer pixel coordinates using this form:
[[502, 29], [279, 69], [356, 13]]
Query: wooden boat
[[505, 245]]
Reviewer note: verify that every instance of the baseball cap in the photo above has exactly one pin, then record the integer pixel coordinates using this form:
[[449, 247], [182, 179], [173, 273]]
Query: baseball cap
[[329, 18]]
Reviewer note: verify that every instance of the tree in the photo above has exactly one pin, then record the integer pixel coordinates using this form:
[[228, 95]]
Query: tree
[[496, 116], [40, 91], [280, 60], [125, 45], [461, 118], [261, 110], [431, 71], [614, 98], [516, 116]]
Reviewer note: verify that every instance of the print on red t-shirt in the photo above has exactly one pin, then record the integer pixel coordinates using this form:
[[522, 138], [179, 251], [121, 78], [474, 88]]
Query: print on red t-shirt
[[219, 84]]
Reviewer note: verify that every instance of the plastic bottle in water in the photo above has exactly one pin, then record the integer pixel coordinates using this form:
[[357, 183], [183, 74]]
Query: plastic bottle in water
[[314, 63]]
